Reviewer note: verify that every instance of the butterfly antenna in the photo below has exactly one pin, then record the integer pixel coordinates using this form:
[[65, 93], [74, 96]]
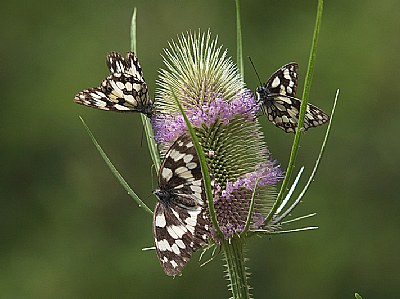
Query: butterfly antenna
[[254, 67]]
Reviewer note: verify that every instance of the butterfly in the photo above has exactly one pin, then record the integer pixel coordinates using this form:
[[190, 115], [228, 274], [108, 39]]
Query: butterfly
[[124, 90], [278, 101], [180, 222]]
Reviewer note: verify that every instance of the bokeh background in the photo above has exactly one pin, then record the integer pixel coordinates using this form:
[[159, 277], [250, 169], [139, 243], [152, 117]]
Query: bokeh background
[[69, 230]]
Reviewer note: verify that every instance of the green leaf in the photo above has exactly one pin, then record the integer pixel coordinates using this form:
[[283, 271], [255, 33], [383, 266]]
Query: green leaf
[[204, 169], [267, 232], [317, 162], [115, 172], [251, 209]]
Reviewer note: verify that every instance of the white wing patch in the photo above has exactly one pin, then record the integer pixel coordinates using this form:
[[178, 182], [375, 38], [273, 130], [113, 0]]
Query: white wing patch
[[278, 101], [124, 90], [180, 223]]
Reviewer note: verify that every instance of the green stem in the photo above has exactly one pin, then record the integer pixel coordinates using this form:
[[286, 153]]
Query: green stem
[[151, 144], [154, 153], [235, 261], [239, 46], [306, 92], [234, 247]]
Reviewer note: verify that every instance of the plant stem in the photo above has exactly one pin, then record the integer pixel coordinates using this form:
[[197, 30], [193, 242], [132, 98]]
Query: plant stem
[[306, 92], [154, 153], [234, 248], [239, 45], [236, 270], [151, 143]]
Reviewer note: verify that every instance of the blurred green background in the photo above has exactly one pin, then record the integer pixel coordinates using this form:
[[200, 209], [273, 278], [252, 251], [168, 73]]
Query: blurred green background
[[69, 230]]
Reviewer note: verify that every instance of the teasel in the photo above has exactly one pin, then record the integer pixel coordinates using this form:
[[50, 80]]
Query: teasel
[[205, 81], [200, 88]]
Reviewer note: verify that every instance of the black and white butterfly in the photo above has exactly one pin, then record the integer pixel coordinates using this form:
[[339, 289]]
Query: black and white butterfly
[[180, 224], [124, 90], [278, 101]]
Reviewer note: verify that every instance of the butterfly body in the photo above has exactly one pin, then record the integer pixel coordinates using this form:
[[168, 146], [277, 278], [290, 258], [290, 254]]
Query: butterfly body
[[180, 224], [124, 90], [278, 101]]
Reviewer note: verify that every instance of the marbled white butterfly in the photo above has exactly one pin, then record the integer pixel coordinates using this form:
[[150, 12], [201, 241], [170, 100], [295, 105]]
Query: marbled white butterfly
[[279, 103], [180, 224], [124, 90]]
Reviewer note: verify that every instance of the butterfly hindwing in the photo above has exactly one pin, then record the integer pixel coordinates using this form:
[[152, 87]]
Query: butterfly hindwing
[[279, 103], [284, 113], [178, 232], [180, 222], [124, 90], [314, 117]]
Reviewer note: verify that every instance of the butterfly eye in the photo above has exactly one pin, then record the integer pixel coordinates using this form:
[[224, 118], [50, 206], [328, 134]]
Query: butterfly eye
[[261, 92]]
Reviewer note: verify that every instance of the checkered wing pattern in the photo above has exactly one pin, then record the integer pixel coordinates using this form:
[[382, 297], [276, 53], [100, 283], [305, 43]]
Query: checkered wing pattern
[[124, 90], [279, 102], [180, 224]]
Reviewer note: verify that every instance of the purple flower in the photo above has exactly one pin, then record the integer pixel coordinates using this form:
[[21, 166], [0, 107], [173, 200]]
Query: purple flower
[[168, 126], [233, 202]]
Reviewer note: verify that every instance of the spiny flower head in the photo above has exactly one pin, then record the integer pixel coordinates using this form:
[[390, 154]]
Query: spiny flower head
[[213, 95]]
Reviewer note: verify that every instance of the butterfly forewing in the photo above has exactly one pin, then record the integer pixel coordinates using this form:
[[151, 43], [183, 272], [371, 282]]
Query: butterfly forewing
[[134, 67], [281, 106], [284, 81], [181, 170], [117, 64], [180, 222], [124, 90]]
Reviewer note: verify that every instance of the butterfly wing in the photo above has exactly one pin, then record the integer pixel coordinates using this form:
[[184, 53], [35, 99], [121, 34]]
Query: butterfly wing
[[178, 232], [284, 113], [181, 171], [124, 90], [117, 64], [314, 117], [180, 223], [283, 81], [280, 104]]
